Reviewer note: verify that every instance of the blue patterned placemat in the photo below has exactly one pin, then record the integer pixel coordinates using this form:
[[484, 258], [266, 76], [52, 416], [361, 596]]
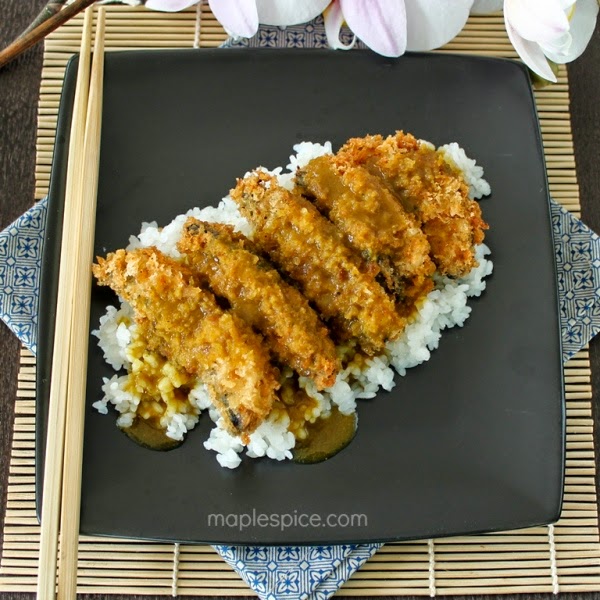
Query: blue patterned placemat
[[21, 246], [296, 572], [308, 35], [577, 250]]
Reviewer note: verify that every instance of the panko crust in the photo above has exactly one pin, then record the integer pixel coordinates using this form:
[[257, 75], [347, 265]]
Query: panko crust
[[314, 254], [183, 322], [233, 269], [373, 221], [431, 189]]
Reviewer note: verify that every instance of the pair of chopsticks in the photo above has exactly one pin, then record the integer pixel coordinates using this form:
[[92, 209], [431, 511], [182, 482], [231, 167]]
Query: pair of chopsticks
[[64, 444]]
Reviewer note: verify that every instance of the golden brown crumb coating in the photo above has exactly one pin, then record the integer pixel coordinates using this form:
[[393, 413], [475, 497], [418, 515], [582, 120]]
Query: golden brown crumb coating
[[373, 221], [184, 323], [431, 189], [313, 252], [258, 294]]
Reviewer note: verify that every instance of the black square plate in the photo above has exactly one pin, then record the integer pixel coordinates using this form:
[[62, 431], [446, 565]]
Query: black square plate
[[472, 440]]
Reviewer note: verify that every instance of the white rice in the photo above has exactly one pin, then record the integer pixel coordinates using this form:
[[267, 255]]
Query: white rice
[[444, 307], [473, 174]]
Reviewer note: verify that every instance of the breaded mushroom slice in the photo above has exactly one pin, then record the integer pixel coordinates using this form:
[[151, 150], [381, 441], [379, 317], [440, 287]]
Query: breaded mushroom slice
[[374, 222], [184, 323], [256, 292], [430, 188]]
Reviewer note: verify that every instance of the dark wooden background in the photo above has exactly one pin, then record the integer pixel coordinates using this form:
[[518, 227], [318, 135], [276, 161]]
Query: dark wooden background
[[19, 89]]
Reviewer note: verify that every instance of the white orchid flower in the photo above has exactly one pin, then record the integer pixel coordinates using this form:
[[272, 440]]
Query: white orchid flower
[[390, 27], [558, 30], [540, 30], [240, 18]]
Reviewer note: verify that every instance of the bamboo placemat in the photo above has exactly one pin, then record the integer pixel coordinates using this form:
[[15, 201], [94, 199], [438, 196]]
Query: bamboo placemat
[[564, 557]]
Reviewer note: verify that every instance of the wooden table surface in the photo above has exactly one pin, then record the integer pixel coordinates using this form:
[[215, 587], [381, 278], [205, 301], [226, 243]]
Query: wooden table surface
[[19, 89]]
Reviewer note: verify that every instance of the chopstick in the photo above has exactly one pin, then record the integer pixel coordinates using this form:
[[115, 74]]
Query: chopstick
[[32, 36], [69, 538], [53, 465], [64, 444]]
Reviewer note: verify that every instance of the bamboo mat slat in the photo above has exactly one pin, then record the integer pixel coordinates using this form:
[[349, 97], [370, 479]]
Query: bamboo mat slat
[[564, 557]]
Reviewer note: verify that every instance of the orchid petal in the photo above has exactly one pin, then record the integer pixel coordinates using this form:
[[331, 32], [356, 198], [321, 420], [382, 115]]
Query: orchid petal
[[537, 20], [530, 52], [560, 46], [289, 12], [380, 24], [238, 17], [583, 23], [566, 4], [169, 5], [433, 23], [334, 19], [482, 7]]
